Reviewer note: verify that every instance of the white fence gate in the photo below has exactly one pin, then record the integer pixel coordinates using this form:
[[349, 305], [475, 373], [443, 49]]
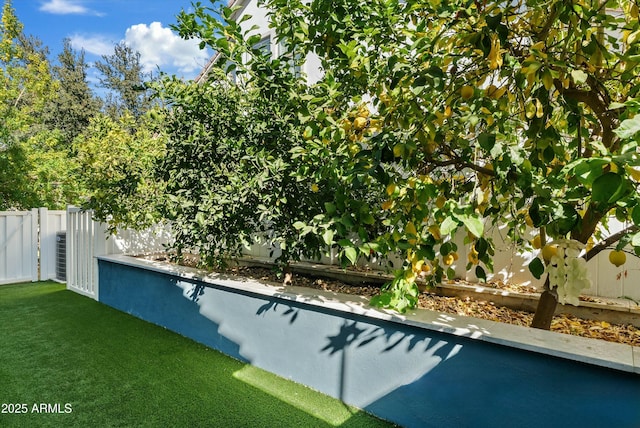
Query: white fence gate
[[51, 224], [18, 246], [28, 244]]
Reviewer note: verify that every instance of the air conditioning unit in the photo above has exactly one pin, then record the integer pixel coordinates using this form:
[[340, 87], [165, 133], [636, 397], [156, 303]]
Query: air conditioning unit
[[61, 256]]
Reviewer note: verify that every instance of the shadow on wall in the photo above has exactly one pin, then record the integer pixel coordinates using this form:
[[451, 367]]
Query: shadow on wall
[[353, 359]]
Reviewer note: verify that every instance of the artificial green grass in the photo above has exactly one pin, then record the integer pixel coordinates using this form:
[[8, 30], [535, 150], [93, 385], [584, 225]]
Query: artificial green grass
[[114, 370]]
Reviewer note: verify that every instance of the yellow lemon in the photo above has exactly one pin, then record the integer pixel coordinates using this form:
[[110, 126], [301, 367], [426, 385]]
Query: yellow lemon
[[398, 150], [617, 258], [435, 231], [466, 92], [448, 259], [391, 188], [536, 243], [359, 123], [549, 251], [363, 111]]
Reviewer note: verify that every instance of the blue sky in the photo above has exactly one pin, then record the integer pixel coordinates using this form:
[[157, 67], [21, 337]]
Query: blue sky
[[97, 25]]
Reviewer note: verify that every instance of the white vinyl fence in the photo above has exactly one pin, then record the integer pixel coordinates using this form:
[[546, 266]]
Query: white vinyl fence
[[87, 239], [608, 280], [28, 247]]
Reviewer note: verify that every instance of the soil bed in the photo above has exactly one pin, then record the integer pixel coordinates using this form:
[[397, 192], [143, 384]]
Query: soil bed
[[484, 309]]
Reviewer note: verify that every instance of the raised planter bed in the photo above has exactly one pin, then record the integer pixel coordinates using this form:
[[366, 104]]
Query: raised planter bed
[[420, 369], [615, 311]]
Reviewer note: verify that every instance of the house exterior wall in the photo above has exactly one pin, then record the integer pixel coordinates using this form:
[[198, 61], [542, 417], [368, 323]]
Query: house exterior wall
[[311, 68]]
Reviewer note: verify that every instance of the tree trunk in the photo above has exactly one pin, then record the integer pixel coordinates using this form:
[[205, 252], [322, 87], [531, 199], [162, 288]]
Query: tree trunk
[[546, 308]]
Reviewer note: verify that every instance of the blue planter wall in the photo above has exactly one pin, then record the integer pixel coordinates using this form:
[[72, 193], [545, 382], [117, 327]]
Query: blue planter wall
[[413, 376]]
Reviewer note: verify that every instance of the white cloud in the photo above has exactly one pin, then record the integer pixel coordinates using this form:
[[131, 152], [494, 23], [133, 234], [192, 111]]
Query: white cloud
[[96, 45], [66, 7], [160, 47]]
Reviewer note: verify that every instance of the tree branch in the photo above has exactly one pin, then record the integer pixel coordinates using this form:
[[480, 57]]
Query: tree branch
[[610, 240], [459, 164], [597, 104], [15, 104]]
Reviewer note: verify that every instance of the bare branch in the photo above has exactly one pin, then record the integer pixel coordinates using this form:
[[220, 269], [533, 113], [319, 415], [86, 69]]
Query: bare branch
[[610, 240]]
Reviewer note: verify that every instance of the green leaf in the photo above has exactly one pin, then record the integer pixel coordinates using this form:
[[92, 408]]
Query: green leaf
[[200, 218], [629, 128], [351, 254], [473, 224], [480, 273], [635, 215], [606, 188], [327, 236], [579, 76], [635, 241], [487, 141], [445, 248], [536, 267], [565, 219], [537, 215], [451, 273], [367, 218], [448, 225], [347, 221], [481, 246], [298, 225], [345, 243], [306, 230], [330, 208], [587, 170]]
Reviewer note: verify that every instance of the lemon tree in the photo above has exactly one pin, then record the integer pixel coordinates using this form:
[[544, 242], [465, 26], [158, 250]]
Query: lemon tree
[[434, 118]]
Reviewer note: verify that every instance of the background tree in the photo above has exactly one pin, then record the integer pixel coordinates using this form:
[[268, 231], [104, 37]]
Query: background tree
[[26, 85], [117, 158], [43, 110], [123, 75], [75, 103]]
